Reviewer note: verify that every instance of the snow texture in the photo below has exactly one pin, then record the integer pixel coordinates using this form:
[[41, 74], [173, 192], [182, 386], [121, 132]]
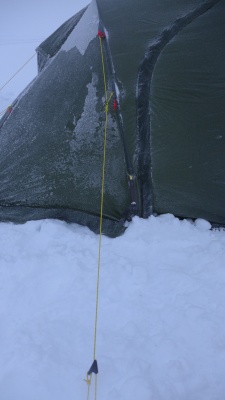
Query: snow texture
[[161, 330], [85, 31], [89, 117]]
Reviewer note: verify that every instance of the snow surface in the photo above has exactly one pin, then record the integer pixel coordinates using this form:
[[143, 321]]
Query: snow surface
[[161, 329]]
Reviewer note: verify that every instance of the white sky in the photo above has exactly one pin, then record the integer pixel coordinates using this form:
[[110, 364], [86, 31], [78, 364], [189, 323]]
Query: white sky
[[24, 25]]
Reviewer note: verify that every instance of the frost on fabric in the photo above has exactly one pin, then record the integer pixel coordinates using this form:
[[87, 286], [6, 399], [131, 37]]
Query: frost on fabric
[[117, 90], [85, 31], [86, 145], [89, 117]]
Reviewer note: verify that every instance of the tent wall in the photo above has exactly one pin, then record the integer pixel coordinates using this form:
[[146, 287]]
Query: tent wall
[[164, 61], [187, 121], [138, 33], [51, 150], [53, 43]]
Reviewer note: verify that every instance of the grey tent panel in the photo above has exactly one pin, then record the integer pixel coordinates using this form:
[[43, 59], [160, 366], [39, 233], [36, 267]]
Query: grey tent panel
[[164, 64], [53, 43]]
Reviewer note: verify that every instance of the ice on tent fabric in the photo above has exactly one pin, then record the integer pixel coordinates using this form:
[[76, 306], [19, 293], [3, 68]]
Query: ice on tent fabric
[[166, 130], [85, 31], [53, 43]]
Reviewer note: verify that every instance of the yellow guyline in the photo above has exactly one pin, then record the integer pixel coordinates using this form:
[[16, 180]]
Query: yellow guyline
[[107, 100]]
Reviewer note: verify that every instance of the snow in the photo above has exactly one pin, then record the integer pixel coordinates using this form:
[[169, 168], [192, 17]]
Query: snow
[[161, 331]]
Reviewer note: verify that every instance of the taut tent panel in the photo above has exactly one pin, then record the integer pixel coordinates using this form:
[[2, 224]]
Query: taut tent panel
[[187, 121], [164, 64]]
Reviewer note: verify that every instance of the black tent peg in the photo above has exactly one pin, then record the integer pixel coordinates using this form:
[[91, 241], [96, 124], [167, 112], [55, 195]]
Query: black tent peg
[[94, 368]]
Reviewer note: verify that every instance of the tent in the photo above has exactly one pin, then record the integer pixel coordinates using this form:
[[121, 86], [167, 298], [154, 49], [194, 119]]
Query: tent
[[164, 76]]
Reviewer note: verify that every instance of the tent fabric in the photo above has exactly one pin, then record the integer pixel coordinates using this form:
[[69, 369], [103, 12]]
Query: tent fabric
[[194, 95], [164, 64], [53, 43]]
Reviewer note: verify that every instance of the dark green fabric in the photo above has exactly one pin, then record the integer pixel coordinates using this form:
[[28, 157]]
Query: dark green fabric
[[165, 63], [133, 25], [51, 151], [132, 43], [188, 120]]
